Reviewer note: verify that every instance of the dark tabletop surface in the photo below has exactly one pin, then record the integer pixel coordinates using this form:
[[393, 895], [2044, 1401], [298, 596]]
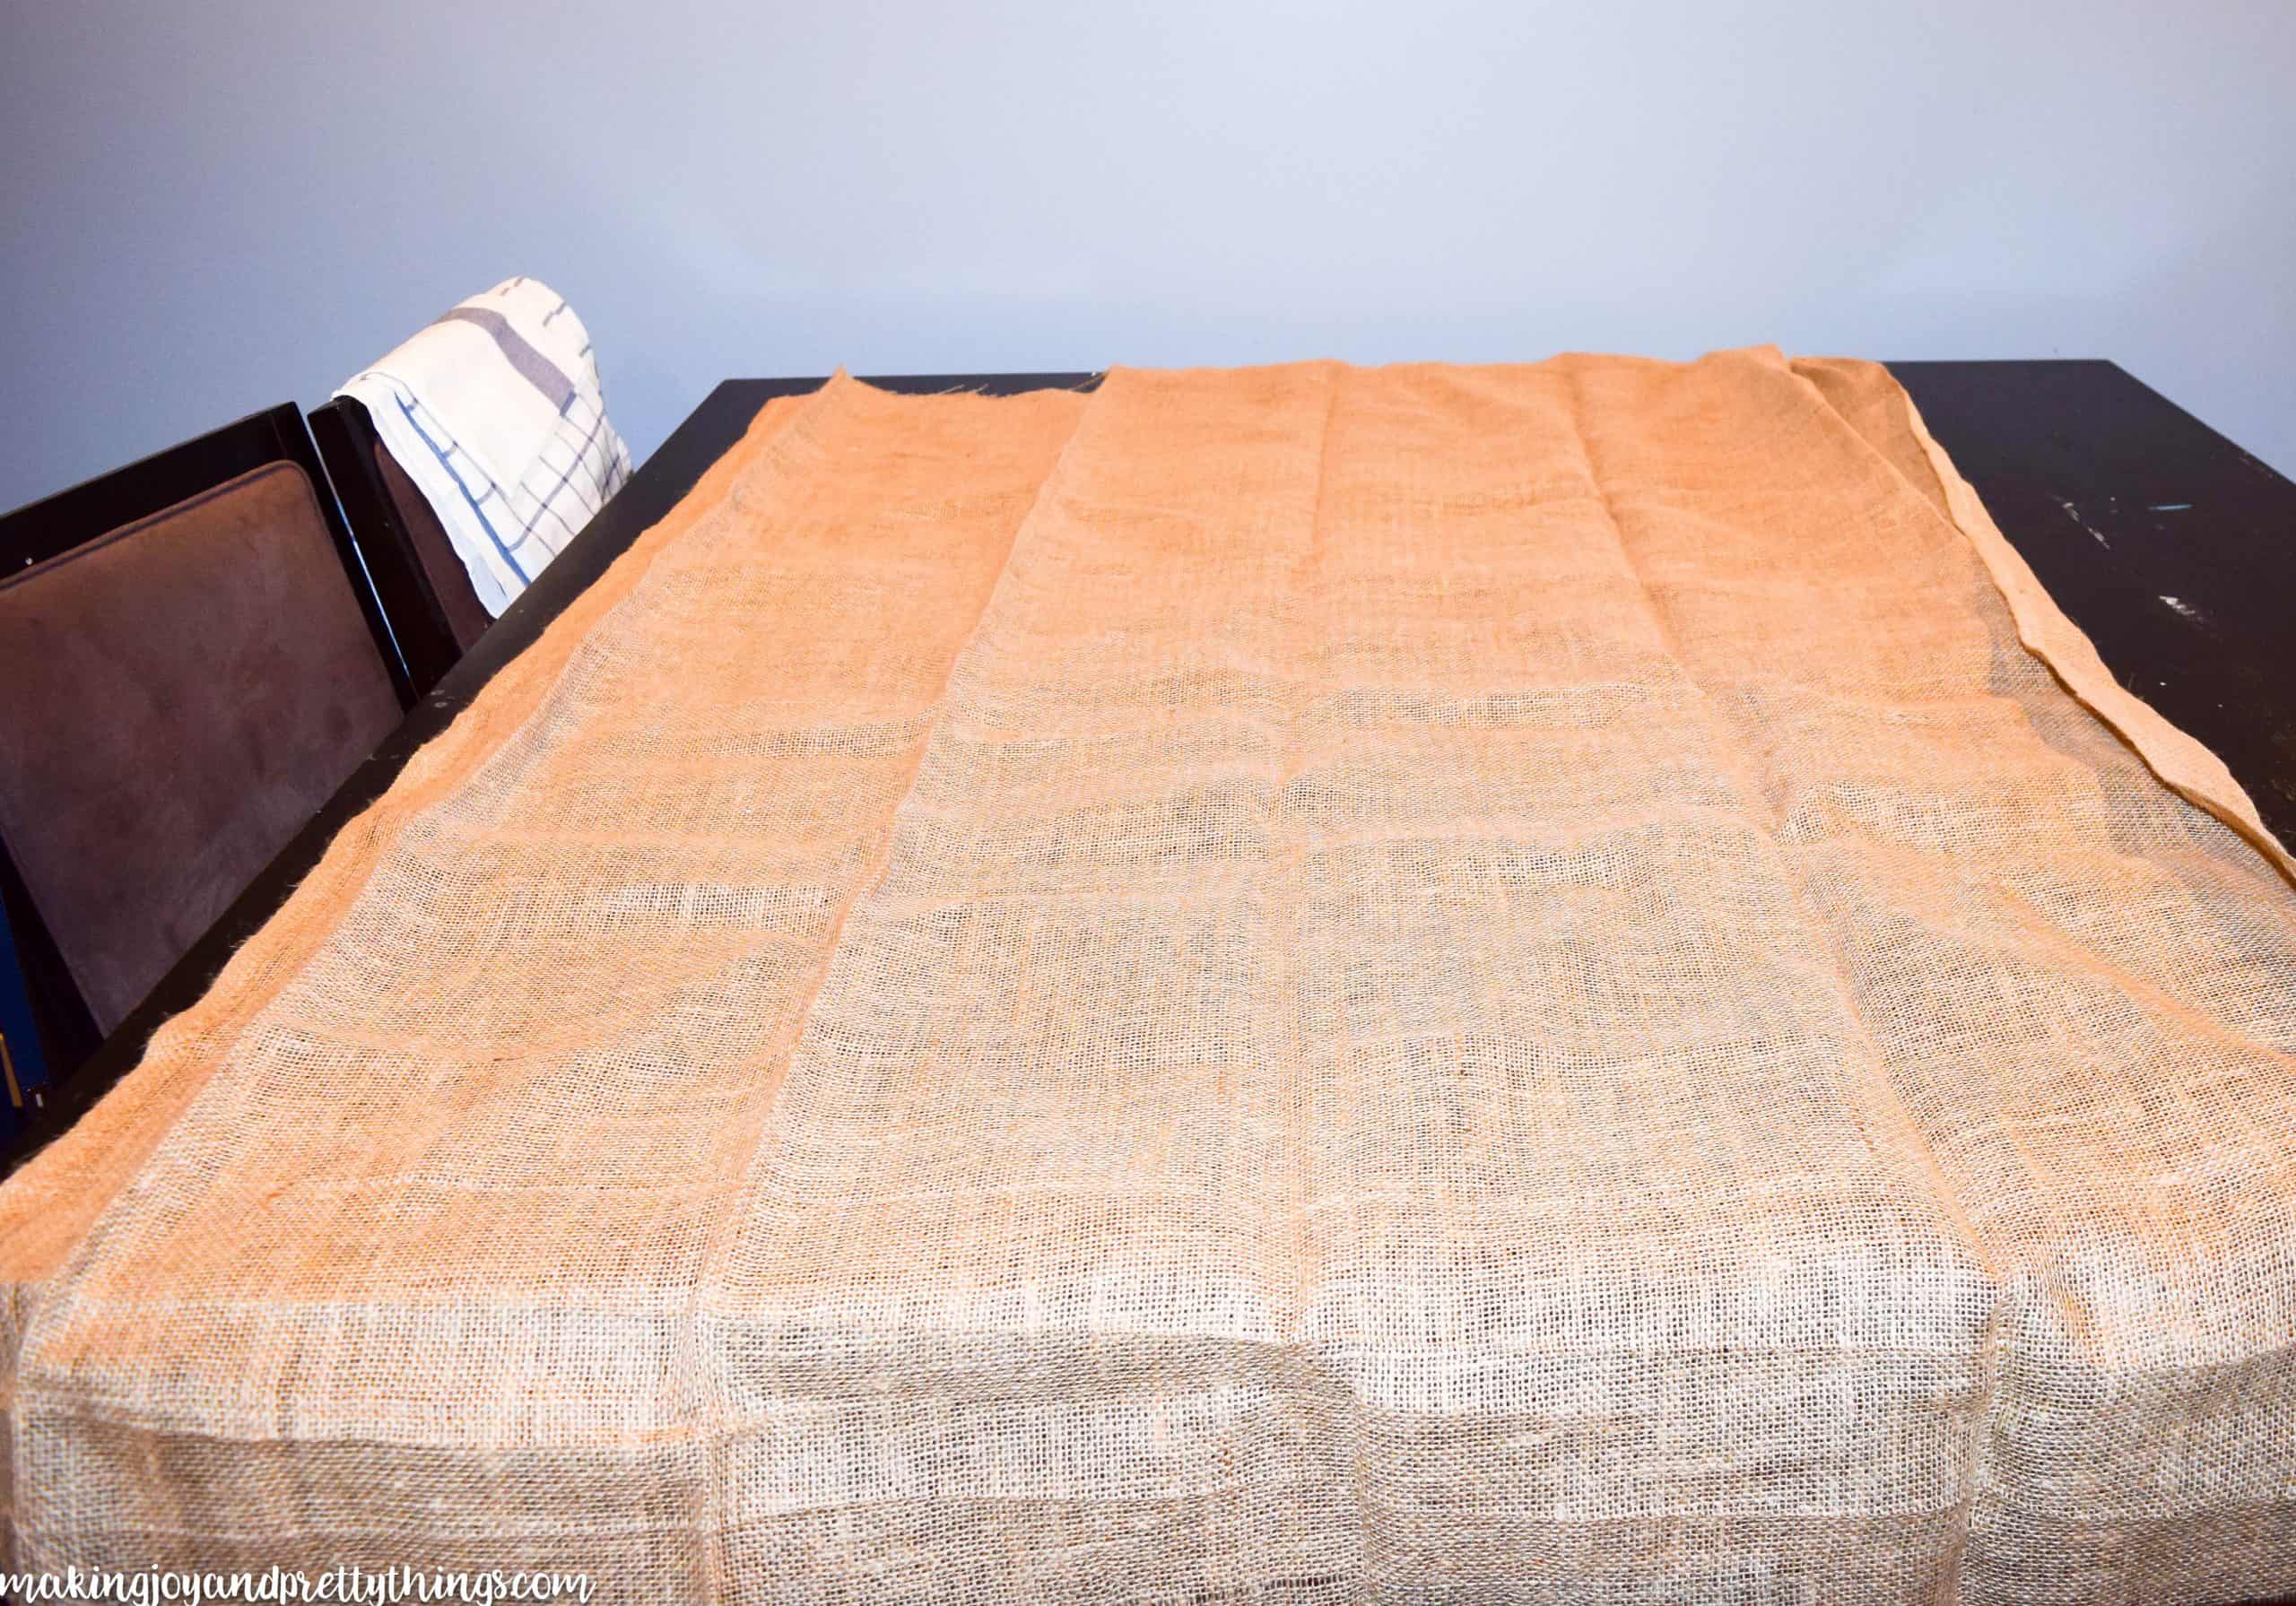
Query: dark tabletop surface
[[2170, 546]]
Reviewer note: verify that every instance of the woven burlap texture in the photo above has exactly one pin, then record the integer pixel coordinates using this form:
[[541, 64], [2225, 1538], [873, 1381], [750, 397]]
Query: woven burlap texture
[[1549, 982]]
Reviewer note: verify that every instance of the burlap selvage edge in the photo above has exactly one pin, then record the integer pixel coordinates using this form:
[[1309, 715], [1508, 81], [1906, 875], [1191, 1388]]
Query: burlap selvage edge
[[48, 1207], [2183, 763]]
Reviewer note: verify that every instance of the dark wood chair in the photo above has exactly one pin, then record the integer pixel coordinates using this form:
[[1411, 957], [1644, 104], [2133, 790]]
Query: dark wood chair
[[425, 590], [191, 662]]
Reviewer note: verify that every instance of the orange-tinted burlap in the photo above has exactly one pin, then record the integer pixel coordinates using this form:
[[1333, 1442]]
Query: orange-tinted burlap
[[1303, 985]]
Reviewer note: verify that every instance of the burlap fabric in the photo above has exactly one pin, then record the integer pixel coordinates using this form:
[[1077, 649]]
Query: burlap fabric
[[1302, 984]]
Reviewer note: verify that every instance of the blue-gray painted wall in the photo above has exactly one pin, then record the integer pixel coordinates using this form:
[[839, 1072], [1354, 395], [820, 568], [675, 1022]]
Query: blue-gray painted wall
[[212, 206]]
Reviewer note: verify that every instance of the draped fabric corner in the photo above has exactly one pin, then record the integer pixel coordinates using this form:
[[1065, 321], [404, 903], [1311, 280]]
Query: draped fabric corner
[[1540, 983]]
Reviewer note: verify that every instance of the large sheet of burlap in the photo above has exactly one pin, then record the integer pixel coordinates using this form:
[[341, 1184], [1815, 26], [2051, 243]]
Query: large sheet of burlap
[[1554, 983]]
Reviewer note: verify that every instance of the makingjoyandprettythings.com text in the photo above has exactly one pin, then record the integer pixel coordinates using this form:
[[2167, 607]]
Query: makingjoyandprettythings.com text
[[379, 1586]]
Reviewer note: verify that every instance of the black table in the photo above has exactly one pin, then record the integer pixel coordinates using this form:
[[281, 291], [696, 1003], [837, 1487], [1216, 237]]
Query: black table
[[2172, 547]]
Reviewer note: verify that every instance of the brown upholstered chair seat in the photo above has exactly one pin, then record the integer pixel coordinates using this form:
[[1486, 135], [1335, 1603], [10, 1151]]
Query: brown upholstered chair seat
[[181, 692]]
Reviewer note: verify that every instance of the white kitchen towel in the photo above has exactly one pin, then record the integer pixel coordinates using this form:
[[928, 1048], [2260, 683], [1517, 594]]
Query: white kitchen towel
[[496, 413]]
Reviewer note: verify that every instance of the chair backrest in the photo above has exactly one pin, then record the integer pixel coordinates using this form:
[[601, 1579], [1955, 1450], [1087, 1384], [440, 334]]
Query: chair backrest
[[190, 665], [421, 580]]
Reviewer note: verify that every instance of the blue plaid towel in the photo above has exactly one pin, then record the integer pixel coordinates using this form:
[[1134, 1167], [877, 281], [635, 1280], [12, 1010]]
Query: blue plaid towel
[[496, 413]]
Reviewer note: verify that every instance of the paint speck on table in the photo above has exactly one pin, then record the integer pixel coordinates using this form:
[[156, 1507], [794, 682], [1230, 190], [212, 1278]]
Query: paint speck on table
[[2074, 513]]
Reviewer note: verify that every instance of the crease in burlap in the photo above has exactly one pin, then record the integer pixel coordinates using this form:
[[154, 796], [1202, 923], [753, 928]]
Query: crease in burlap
[[1303, 980]]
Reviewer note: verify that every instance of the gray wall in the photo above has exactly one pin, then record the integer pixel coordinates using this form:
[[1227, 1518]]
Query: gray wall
[[214, 204]]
